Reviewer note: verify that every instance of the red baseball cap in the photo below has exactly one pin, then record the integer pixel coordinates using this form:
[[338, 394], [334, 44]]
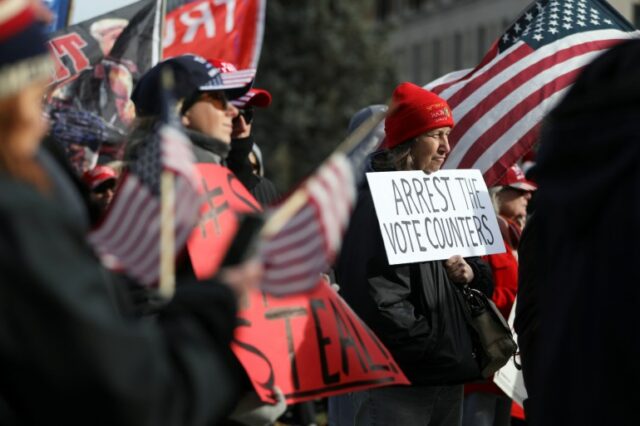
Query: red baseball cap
[[515, 178], [99, 175], [254, 97]]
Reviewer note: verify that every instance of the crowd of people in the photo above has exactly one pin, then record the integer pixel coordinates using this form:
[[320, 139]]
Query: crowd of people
[[81, 344]]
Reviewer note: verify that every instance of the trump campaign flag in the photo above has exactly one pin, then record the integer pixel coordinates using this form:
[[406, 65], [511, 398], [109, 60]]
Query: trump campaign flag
[[98, 61], [230, 30], [499, 105]]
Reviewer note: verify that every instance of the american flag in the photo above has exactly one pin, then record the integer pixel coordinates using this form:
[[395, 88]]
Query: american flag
[[499, 104], [307, 244], [129, 237]]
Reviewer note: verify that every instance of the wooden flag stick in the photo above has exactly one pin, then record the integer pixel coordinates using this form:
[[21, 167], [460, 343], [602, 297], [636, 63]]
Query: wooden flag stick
[[167, 238], [298, 199]]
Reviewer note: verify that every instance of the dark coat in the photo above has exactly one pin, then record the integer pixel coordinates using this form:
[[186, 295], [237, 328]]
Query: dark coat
[[588, 209], [238, 161], [70, 353], [414, 308]]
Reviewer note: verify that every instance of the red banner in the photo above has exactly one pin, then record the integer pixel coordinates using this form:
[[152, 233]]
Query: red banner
[[224, 29], [224, 197], [310, 345]]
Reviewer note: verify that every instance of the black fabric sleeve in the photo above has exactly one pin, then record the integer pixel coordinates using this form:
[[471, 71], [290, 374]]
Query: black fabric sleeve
[[67, 350], [482, 275], [381, 294], [408, 334], [238, 162], [265, 192]]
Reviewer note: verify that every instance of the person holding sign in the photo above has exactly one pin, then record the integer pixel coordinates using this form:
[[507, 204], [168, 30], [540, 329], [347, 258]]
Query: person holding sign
[[413, 308]]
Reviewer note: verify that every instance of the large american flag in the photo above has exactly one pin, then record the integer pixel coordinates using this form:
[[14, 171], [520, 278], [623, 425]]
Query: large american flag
[[129, 237], [499, 104], [307, 244]]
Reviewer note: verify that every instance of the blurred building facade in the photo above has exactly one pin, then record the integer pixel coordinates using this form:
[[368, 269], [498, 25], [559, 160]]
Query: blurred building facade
[[430, 38]]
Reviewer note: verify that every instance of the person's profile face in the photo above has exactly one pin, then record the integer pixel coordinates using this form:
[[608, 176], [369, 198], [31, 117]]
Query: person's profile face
[[103, 194], [431, 149], [212, 114], [27, 120], [512, 204]]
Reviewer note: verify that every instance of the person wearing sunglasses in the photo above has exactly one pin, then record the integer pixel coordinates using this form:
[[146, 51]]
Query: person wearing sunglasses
[[242, 143], [203, 96]]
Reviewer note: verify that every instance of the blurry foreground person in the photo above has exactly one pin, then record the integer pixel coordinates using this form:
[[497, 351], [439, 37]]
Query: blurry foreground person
[[588, 211], [71, 354], [415, 309]]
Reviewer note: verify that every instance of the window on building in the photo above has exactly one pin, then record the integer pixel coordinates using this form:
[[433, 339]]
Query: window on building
[[436, 49], [481, 40], [416, 64], [636, 15], [457, 50], [416, 4], [383, 9], [505, 24]]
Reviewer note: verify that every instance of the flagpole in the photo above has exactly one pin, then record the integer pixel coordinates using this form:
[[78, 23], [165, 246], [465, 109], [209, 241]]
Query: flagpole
[[167, 237], [70, 10], [300, 197], [167, 207], [161, 11]]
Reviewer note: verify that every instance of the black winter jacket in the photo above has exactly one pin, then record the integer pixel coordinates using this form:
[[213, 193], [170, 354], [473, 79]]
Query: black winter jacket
[[238, 161], [70, 351], [414, 308]]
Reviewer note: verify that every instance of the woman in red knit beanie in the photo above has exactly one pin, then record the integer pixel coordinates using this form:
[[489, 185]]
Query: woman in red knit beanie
[[413, 308]]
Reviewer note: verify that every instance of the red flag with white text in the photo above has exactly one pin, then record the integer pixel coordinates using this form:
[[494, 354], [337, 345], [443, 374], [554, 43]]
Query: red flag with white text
[[225, 29]]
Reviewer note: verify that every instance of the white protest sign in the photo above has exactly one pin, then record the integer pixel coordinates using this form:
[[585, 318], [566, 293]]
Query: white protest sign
[[434, 216], [509, 378]]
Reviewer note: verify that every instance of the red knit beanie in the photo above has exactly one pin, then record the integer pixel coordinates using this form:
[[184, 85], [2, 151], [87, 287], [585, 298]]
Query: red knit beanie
[[414, 111]]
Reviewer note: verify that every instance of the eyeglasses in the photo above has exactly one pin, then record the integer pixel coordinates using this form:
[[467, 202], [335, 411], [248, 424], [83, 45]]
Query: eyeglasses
[[247, 113]]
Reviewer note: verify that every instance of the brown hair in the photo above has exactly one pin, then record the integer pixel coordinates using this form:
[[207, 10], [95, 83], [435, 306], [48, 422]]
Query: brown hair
[[394, 159]]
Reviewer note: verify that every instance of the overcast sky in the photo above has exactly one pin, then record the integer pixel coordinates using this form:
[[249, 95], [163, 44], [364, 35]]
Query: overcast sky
[[86, 9]]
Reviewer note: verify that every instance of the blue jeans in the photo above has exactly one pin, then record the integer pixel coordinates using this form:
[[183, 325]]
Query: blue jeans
[[398, 406], [486, 409]]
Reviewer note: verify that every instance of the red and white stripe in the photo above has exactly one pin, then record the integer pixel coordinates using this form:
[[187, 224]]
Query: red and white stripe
[[129, 238], [233, 80], [15, 15], [307, 245], [498, 106]]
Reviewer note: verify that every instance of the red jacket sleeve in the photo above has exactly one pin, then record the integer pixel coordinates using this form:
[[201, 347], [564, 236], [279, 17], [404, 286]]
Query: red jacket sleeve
[[505, 276]]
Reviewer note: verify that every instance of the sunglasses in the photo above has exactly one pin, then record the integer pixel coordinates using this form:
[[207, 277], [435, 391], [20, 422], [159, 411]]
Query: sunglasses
[[217, 99], [247, 113]]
